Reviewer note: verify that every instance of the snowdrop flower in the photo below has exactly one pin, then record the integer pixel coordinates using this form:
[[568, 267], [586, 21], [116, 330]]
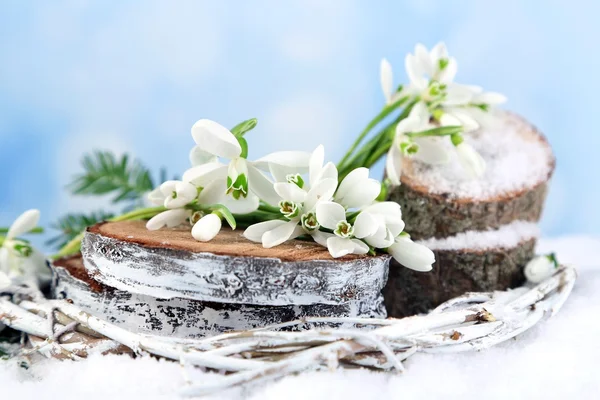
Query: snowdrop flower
[[471, 161], [344, 239], [428, 150], [238, 185], [173, 194], [540, 268], [207, 227], [357, 189], [387, 217], [412, 255], [386, 77], [169, 218], [19, 261], [297, 204]]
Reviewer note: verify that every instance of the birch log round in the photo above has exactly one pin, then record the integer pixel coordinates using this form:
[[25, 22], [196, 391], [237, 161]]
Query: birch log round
[[169, 263], [438, 202], [468, 262], [179, 317]]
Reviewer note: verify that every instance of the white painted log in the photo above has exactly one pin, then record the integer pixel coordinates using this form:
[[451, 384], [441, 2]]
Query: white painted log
[[171, 264], [186, 318]]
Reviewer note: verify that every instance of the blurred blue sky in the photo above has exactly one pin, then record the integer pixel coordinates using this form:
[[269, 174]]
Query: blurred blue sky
[[134, 76]]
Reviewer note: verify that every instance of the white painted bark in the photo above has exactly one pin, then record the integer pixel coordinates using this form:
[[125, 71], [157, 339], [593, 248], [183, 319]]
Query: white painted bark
[[186, 318], [168, 273]]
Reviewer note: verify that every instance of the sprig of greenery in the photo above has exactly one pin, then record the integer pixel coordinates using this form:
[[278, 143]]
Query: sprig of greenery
[[72, 225], [105, 173]]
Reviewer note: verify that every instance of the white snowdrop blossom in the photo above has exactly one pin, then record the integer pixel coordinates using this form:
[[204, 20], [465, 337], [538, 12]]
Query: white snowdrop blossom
[[357, 189], [239, 184], [426, 149], [540, 268], [174, 194], [298, 202], [169, 218], [412, 255], [20, 262], [387, 217], [344, 239]]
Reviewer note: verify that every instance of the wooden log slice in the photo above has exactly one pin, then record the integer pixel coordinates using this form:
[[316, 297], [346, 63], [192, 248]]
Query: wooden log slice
[[169, 263], [438, 202], [494, 261], [179, 317]]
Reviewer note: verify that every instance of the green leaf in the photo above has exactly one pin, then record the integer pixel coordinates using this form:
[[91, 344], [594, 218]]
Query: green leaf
[[72, 225], [105, 173], [224, 212], [243, 127]]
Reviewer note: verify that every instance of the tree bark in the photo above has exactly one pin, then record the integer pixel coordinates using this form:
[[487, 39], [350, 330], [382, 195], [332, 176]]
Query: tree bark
[[454, 273], [229, 269], [180, 317]]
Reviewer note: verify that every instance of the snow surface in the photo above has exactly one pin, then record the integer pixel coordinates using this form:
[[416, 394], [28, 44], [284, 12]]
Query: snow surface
[[515, 157], [556, 359], [505, 237]]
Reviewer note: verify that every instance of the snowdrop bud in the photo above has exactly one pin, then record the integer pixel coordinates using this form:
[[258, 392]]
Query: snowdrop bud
[[540, 268], [471, 160], [207, 228], [169, 218], [386, 79], [23, 224], [412, 255]]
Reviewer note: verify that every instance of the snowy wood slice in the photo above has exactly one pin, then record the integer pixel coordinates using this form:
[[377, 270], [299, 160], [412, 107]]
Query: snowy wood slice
[[437, 201], [494, 261], [184, 318], [229, 269]]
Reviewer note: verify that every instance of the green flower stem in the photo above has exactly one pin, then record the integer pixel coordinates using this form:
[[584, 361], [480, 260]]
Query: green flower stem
[[37, 229], [269, 208], [440, 131], [74, 246], [255, 217], [387, 110]]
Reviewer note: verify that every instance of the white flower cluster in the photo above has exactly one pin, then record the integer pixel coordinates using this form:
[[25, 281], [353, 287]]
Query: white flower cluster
[[20, 262], [436, 100], [298, 190]]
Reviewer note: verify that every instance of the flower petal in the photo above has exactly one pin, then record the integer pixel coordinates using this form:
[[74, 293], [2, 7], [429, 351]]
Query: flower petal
[[359, 247], [322, 191], [321, 237], [393, 164], [243, 205], [204, 174], [415, 72], [365, 225], [206, 228], [339, 247], [213, 193], [261, 185], [382, 239], [290, 192], [280, 234], [169, 218], [424, 60], [431, 151], [386, 78], [354, 178], [329, 171], [156, 197], [491, 98], [438, 52], [448, 74], [362, 194], [255, 232], [215, 139], [296, 159], [199, 156], [315, 163], [412, 255], [23, 224], [471, 161], [330, 213]]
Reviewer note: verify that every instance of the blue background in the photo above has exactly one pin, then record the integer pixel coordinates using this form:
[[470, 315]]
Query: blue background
[[134, 76]]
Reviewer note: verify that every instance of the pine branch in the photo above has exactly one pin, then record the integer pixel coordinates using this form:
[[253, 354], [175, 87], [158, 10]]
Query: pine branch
[[104, 173], [72, 225]]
